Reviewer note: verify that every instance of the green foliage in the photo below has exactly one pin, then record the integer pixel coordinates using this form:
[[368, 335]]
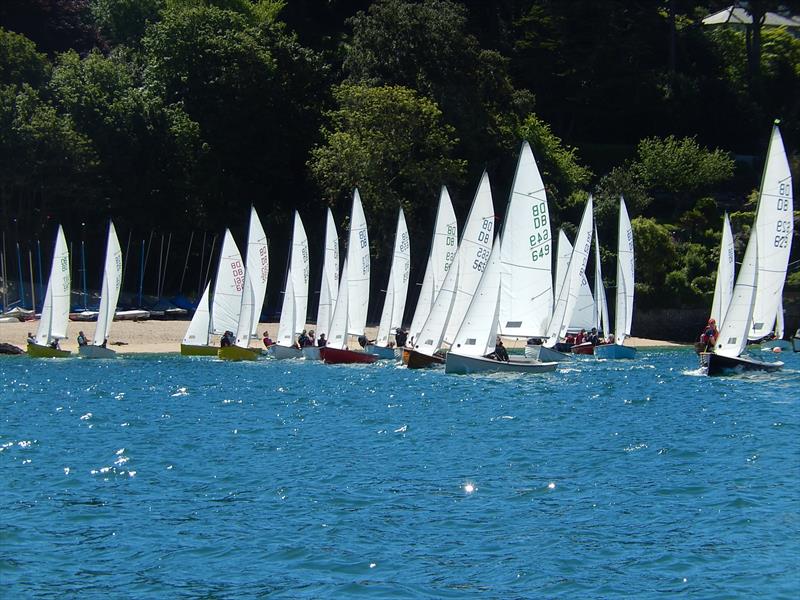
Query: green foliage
[[656, 256], [392, 145], [124, 21], [558, 163], [20, 62], [45, 160]]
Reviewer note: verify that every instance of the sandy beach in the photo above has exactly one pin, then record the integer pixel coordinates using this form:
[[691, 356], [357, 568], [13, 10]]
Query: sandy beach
[[165, 336]]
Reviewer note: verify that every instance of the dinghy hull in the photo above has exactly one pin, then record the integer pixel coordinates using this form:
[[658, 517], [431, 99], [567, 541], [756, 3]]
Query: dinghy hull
[[38, 351], [586, 348], [337, 356], [614, 352], [796, 341], [418, 360], [716, 364], [312, 353], [279, 352], [96, 352], [190, 350], [545, 354], [236, 353], [459, 364], [381, 352]]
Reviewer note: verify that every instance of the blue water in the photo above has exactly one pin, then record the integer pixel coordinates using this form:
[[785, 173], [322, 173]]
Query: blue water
[[167, 477]]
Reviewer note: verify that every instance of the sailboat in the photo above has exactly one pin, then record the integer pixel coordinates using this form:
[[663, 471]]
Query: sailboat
[[623, 313], [775, 225], [112, 282], [726, 278], [55, 310], [796, 341], [460, 283], [727, 357], [253, 291], [394, 304], [350, 314], [476, 336], [224, 313], [328, 288], [757, 294], [598, 307], [777, 341], [295, 296]]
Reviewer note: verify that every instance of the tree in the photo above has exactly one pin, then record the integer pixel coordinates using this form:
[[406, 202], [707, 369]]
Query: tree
[[426, 46], [20, 62], [390, 143], [133, 132], [656, 256]]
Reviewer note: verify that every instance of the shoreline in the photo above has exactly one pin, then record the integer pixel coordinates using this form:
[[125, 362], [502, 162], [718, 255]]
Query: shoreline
[[164, 337]]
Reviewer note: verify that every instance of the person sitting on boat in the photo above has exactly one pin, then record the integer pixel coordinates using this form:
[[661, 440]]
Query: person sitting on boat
[[81, 339], [226, 340], [311, 338], [592, 337], [500, 353], [581, 337], [302, 340], [322, 341], [400, 337], [363, 340], [610, 339], [55, 345], [710, 335], [570, 339], [31, 339], [267, 340]]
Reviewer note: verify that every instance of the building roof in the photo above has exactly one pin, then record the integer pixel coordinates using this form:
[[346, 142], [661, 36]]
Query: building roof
[[736, 15]]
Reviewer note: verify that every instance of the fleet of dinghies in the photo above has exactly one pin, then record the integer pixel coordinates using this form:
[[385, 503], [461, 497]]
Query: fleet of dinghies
[[475, 290]]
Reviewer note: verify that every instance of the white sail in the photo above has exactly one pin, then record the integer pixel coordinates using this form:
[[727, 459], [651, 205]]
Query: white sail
[[723, 288], [526, 301], [583, 313], [288, 312], [55, 310], [473, 255], [443, 251], [478, 331], [394, 304], [247, 313], [299, 269], [564, 253], [774, 222], [568, 296], [228, 288], [295, 295], [112, 282], [430, 337], [255, 282], [625, 277], [779, 321], [358, 266], [329, 286], [197, 333], [601, 303], [337, 338], [732, 338]]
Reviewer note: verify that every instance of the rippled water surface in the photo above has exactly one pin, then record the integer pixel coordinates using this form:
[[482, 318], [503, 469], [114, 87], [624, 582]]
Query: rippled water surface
[[168, 477]]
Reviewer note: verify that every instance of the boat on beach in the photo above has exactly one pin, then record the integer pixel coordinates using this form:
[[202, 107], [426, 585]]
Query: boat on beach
[[55, 309], [112, 283]]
